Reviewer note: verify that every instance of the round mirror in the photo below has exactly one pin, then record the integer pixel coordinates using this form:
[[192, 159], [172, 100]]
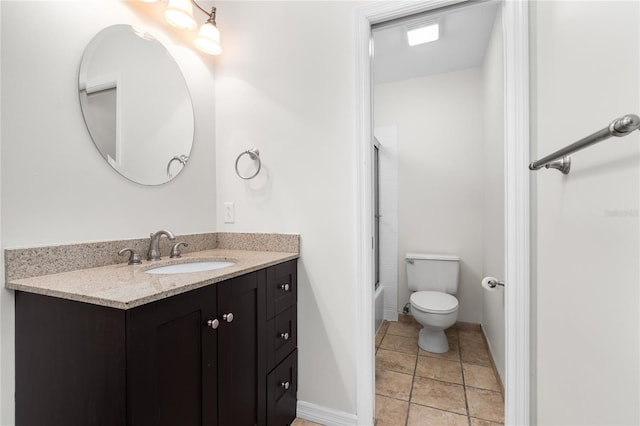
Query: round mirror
[[136, 105]]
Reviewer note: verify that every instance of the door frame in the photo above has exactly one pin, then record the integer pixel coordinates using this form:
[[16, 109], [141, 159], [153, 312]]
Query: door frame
[[515, 23]]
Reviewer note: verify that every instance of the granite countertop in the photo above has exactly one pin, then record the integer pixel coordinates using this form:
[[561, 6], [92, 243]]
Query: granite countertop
[[125, 286]]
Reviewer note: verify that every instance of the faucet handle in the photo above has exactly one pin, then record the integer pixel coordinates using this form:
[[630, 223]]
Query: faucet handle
[[134, 258], [175, 250]]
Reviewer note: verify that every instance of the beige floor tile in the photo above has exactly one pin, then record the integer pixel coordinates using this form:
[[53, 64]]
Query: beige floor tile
[[441, 395], [390, 411], [400, 344], [300, 422], [437, 398], [452, 355], [409, 319], [472, 338], [439, 369], [393, 384], [468, 326], [480, 422], [404, 329], [395, 361], [479, 376], [425, 416], [485, 405], [474, 354], [451, 332], [379, 339], [383, 328], [381, 332]]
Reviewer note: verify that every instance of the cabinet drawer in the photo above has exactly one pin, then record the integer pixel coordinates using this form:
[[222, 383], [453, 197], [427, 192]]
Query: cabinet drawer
[[282, 337], [282, 386], [282, 287]]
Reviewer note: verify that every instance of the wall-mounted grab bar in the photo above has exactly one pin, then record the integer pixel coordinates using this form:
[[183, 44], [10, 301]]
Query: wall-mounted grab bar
[[559, 160]]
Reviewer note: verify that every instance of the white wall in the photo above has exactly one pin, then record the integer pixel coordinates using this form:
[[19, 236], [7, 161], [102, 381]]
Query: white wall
[[586, 68], [285, 86], [493, 186], [56, 188], [440, 151]]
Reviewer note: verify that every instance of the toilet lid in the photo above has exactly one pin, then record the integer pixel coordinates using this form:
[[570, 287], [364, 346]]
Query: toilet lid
[[434, 301]]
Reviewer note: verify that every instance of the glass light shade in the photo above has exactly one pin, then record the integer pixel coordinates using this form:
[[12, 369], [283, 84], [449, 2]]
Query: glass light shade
[[425, 34], [208, 39], [179, 14]]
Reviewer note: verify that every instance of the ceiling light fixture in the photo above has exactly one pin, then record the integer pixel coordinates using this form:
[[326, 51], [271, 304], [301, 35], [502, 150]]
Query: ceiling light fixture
[[179, 14], [423, 33]]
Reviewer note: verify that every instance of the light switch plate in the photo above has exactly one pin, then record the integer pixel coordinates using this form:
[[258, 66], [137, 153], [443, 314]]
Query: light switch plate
[[229, 212]]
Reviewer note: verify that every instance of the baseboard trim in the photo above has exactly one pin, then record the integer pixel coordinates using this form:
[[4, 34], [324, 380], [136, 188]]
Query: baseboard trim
[[492, 359], [325, 416]]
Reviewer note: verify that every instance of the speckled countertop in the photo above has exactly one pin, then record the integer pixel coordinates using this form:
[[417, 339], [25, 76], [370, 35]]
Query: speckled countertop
[[124, 287]]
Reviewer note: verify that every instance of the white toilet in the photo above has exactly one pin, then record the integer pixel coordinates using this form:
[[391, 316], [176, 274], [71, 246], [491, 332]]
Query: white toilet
[[434, 280]]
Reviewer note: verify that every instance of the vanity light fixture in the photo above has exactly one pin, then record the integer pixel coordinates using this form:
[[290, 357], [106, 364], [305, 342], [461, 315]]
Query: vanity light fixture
[[208, 39], [422, 32], [179, 14]]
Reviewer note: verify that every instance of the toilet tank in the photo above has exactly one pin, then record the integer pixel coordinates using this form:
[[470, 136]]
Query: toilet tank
[[432, 272]]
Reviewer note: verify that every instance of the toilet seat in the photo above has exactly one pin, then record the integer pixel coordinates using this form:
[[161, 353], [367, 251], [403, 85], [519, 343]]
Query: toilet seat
[[434, 302]]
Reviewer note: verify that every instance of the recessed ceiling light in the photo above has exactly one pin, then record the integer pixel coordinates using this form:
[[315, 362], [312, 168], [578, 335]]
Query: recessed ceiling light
[[423, 33]]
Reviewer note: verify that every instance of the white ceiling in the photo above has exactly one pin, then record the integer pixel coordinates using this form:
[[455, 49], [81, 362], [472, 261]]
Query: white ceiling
[[464, 34]]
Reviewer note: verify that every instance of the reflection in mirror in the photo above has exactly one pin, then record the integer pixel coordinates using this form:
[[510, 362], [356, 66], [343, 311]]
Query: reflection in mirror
[[136, 105]]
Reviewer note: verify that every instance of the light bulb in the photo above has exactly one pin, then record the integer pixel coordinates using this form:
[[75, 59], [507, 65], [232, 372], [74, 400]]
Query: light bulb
[[208, 39], [179, 14]]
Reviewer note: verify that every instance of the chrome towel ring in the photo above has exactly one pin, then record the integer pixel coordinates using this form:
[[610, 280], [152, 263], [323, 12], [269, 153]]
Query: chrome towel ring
[[254, 154], [182, 159]]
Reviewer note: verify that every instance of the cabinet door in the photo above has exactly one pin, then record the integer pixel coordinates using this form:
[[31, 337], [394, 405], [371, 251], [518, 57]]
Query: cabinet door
[[171, 361], [241, 351], [70, 363]]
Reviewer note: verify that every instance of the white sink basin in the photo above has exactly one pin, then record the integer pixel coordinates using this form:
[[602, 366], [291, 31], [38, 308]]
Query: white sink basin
[[182, 268]]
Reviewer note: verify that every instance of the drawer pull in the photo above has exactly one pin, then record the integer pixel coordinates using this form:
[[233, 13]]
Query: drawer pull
[[284, 336], [284, 287], [214, 323], [285, 385], [228, 317]]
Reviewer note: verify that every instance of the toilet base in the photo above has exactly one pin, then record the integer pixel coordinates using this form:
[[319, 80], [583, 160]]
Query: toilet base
[[433, 340]]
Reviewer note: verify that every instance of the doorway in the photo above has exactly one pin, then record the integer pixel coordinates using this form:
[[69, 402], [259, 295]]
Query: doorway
[[515, 29], [445, 98]]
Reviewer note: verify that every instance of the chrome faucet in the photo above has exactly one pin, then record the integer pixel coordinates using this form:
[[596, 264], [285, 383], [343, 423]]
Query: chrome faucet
[[154, 244]]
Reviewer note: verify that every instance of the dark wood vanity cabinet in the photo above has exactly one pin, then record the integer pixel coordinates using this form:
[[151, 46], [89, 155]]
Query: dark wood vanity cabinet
[[211, 356], [282, 339]]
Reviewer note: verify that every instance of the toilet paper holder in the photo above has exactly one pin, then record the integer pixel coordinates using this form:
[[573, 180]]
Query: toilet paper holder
[[494, 283]]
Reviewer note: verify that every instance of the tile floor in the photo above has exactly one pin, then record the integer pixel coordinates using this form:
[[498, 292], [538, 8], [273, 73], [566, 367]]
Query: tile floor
[[415, 388]]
